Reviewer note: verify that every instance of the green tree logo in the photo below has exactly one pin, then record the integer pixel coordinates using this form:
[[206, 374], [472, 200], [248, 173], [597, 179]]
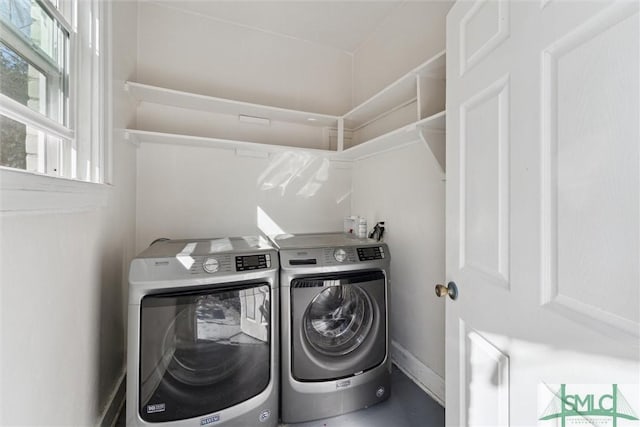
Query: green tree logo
[[589, 406]]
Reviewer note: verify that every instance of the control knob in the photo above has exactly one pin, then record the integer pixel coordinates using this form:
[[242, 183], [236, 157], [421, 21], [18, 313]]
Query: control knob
[[210, 265], [340, 255]]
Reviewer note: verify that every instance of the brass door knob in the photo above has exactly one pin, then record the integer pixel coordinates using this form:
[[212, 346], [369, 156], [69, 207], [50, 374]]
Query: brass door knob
[[451, 289]]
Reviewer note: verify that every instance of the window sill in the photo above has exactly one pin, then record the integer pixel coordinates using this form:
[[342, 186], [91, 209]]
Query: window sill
[[25, 192]]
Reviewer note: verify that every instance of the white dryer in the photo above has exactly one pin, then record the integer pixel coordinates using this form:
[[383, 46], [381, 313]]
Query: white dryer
[[203, 334], [334, 325]]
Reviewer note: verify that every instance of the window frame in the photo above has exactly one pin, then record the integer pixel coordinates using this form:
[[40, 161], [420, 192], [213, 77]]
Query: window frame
[[85, 152]]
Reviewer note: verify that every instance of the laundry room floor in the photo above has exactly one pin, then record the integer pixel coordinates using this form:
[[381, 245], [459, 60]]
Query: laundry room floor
[[408, 406]]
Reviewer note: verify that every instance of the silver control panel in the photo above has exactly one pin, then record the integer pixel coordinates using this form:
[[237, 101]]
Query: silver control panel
[[332, 256], [226, 263]]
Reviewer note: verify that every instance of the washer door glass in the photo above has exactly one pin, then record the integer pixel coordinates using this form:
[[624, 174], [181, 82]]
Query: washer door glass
[[338, 320], [203, 352]]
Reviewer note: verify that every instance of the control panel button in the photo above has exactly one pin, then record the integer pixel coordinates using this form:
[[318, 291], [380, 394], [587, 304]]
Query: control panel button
[[340, 255], [210, 265]]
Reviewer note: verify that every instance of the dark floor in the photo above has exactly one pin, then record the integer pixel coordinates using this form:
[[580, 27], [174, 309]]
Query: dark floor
[[408, 406]]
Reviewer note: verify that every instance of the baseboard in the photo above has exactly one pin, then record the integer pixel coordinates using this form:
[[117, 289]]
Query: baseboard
[[421, 374], [116, 402]]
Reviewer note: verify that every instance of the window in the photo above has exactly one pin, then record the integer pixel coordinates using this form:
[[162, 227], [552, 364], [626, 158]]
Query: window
[[52, 88]]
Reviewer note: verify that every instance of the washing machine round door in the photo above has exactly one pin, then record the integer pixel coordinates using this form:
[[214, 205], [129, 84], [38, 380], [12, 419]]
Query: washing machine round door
[[203, 350], [338, 320]]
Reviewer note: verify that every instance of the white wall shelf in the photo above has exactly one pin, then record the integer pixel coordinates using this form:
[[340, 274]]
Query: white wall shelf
[[390, 141], [399, 93], [137, 137], [193, 101], [437, 122], [385, 121], [396, 138]]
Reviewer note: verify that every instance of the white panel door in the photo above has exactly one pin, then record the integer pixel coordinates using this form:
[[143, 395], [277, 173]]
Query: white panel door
[[543, 213]]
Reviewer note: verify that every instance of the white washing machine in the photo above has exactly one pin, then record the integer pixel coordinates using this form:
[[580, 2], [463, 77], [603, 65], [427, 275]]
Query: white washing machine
[[334, 325], [203, 334]]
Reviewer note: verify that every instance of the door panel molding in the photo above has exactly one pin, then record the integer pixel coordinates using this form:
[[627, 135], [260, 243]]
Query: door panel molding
[[562, 169], [469, 55], [484, 374], [498, 272]]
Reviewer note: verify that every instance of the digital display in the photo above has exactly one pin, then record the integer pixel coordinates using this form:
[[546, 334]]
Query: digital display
[[370, 253], [251, 261]]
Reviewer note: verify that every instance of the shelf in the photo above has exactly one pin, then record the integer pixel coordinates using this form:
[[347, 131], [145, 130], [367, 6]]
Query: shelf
[[397, 138], [437, 122], [393, 140], [434, 67], [399, 93], [137, 137], [159, 95], [390, 141], [388, 109]]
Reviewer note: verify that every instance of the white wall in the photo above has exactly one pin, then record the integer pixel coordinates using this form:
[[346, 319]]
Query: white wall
[[63, 287], [200, 192], [406, 189], [188, 51], [186, 191], [408, 37]]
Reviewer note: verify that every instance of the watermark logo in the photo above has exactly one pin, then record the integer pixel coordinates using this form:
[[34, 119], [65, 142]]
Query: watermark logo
[[588, 405]]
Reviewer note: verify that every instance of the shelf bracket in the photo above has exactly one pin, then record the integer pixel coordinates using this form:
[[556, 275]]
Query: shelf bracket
[[435, 140]]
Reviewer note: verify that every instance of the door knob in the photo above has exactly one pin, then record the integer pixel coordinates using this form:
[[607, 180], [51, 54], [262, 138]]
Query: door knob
[[451, 289]]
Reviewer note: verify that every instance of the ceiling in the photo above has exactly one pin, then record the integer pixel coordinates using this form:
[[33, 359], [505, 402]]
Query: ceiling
[[343, 25]]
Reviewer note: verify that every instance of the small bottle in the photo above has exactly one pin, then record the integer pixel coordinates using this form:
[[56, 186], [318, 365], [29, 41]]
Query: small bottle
[[351, 225], [362, 228]]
